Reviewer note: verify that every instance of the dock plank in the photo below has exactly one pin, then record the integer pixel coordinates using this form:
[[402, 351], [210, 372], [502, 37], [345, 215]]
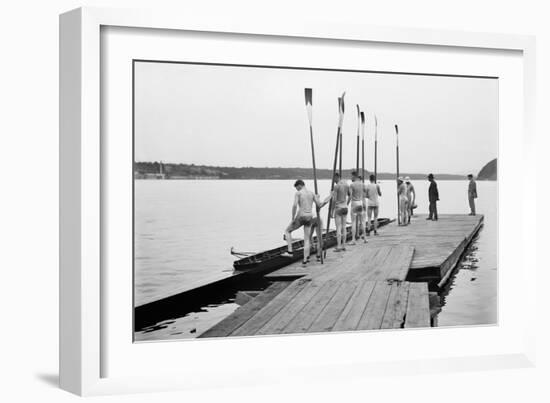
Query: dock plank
[[351, 315], [376, 307], [245, 312], [305, 318], [394, 316], [418, 306], [332, 311], [401, 264], [262, 316], [279, 321]]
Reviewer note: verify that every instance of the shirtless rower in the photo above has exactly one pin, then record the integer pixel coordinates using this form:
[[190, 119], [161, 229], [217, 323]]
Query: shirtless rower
[[302, 215], [373, 193], [403, 202], [357, 190], [340, 201], [411, 196]]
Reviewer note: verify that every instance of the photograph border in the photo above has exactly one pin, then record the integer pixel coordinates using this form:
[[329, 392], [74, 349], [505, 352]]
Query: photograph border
[[257, 66], [81, 305]]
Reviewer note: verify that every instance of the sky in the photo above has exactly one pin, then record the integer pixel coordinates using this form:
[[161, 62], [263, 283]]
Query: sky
[[251, 116]]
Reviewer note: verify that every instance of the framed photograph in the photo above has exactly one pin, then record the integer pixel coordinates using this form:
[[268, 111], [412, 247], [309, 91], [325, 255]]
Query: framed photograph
[[289, 200]]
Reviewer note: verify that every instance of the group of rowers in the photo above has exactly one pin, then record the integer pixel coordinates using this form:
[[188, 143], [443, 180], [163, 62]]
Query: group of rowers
[[363, 201]]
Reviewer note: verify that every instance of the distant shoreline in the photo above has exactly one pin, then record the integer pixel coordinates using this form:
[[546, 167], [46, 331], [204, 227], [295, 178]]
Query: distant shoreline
[[170, 171]]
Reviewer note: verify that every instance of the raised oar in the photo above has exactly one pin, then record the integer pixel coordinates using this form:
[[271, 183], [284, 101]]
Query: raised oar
[[397, 174], [358, 129], [309, 107], [375, 148], [363, 146], [342, 110], [338, 132]]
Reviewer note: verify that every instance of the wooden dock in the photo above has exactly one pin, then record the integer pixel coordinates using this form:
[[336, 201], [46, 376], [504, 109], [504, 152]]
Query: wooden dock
[[437, 245], [363, 288]]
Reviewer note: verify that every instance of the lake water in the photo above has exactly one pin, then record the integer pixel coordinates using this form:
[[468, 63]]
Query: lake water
[[184, 230]]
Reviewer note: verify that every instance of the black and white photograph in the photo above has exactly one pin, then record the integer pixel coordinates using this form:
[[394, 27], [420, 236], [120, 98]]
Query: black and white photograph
[[273, 200]]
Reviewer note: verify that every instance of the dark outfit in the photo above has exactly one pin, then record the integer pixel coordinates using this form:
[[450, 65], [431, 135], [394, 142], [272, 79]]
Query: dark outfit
[[433, 197]]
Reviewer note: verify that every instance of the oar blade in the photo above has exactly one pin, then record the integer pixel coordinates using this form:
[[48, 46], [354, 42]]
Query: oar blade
[[362, 118], [343, 104], [309, 104], [309, 96]]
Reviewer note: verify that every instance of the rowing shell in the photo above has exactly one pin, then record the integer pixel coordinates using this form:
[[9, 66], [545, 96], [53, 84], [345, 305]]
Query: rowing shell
[[270, 260]]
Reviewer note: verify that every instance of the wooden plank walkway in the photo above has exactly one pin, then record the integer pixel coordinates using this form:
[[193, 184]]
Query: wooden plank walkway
[[437, 244], [311, 306], [363, 288]]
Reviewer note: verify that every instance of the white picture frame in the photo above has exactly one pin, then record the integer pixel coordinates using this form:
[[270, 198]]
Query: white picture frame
[[82, 297]]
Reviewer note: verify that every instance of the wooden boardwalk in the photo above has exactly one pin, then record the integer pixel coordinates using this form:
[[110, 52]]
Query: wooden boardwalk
[[361, 289], [437, 245]]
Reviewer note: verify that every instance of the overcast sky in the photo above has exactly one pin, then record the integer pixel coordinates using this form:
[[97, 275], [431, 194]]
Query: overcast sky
[[245, 116]]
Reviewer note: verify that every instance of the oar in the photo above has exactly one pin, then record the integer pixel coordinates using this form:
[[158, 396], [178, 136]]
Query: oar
[[363, 157], [397, 175], [338, 132], [375, 148], [358, 129], [309, 107], [342, 106], [363, 146]]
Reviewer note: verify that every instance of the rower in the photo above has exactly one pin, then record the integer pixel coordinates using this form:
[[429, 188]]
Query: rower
[[373, 193], [357, 190], [403, 202], [302, 216], [340, 201], [411, 197]]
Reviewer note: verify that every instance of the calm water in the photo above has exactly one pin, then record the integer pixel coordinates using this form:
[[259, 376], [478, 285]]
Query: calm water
[[184, 231]]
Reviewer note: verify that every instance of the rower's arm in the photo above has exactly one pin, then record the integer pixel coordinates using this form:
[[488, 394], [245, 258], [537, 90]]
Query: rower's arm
[[295, 205], [318, 202], [379, 191]]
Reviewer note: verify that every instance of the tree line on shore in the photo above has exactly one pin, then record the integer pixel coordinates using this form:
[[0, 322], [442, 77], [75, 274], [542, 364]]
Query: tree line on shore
[[171, 170]]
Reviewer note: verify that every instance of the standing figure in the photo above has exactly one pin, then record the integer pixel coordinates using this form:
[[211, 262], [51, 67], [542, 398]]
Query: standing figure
[[373, 193], [357, 189], [433, 197], [472, 194], [302, 216], [403, 201], [340, 200], [411, 196]]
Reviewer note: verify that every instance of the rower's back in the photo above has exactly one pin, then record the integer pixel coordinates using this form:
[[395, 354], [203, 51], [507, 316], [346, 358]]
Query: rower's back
[[357, 191], [341, 191], [305, 201]]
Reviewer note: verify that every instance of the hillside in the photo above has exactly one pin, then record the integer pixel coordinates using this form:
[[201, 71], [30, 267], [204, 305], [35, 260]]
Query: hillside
[[488, 172]]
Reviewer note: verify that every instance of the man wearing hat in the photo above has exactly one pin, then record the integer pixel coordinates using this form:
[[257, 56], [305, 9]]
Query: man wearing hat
[[433, 197]]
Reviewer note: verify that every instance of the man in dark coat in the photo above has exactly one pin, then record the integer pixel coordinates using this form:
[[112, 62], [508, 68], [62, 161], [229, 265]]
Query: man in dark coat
[[433, 197], [472, 194]]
